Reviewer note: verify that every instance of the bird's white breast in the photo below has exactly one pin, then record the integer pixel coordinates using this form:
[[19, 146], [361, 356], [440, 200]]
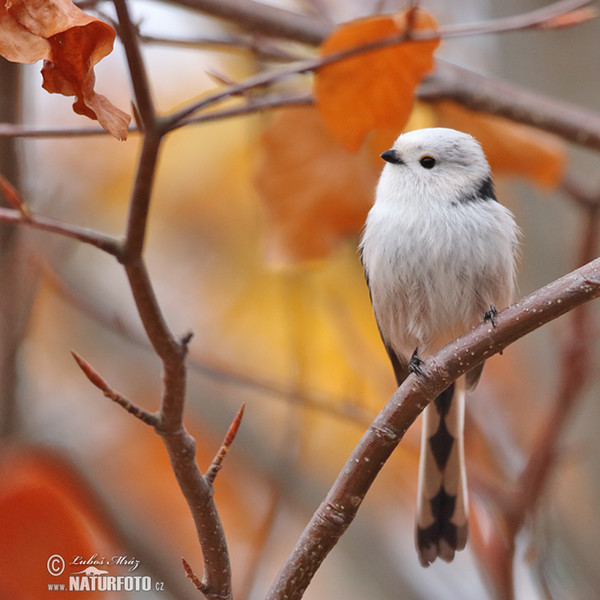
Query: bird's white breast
[[435, 266]]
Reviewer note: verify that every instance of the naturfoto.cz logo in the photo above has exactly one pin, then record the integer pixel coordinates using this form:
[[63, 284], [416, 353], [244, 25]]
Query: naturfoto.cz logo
[[95, 576]]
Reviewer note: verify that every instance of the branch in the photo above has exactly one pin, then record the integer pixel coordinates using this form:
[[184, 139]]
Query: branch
[[258, 17], [477, 92], [87, 236], [94, 377], [575, 373], [341, 504], [531, 20], [137, 70]]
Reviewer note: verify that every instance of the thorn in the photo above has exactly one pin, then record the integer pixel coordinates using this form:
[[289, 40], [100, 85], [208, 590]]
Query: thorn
[[414, 365], [13, 198], [94, 377], [186, 338], [189, 573], [217, 462]]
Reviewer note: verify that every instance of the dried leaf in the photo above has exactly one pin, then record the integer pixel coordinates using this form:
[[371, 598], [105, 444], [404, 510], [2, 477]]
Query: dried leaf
[[71, 43], [315, 192], [511, 148], [373, 89]]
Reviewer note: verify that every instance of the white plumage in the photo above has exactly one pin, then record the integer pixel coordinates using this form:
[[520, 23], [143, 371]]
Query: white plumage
[[438, 251]]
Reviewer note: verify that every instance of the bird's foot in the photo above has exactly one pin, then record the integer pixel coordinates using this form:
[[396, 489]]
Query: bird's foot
[[414, 365]]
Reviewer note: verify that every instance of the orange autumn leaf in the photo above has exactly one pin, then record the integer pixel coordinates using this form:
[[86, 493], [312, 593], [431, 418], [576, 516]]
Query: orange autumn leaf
[[511, 148], [373, 89], [43, 525], [315, 192], [70, 42]]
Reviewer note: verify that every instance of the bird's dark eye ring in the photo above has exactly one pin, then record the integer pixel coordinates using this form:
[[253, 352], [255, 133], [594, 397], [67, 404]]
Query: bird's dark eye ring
[[427, 162]]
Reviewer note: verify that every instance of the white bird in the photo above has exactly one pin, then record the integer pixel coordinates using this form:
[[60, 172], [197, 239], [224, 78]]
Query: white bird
[[438, 251]]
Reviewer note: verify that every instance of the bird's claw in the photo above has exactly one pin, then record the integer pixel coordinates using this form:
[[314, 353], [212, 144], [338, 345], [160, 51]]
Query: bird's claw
[[414, 365], [489, 316]]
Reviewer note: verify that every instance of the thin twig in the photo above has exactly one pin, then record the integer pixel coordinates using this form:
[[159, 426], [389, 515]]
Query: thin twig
[[189, 573], [217, 463], [341, 504], [263, 18], [104, 242], [345, 409], [94, 377], [260, 47], [14, 198]]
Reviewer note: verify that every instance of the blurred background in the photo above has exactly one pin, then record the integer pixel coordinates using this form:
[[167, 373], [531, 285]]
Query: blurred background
[[252, 245]]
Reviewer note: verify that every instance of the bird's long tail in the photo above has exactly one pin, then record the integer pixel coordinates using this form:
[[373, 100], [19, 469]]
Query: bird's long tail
[[442, 505]]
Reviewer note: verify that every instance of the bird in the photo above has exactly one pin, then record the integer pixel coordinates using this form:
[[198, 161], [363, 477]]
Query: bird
[[439, 254]]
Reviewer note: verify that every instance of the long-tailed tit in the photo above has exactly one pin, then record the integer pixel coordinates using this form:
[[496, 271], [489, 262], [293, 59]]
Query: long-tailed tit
[[439, 256]]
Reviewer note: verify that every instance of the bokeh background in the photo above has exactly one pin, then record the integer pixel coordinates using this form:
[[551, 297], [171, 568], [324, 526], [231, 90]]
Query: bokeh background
[[275, 295]]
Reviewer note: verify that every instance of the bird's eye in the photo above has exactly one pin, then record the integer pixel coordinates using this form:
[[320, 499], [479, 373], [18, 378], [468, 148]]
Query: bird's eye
[[427, 162]]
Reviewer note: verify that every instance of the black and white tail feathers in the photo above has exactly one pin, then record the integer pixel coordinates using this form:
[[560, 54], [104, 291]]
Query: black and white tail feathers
[[442, 504]]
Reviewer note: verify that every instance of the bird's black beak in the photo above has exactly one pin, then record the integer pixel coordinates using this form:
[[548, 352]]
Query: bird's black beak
[[392, 157]]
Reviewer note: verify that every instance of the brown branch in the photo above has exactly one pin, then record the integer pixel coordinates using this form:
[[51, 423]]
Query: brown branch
[[87, 236], [25, 131], [94, 377], [342, 408], [514, 505], [128, 34], [477, 92], [341, 504], [189, 573], [574, 374], [531, 20], [172, 351], [259, 47], [259, 17]]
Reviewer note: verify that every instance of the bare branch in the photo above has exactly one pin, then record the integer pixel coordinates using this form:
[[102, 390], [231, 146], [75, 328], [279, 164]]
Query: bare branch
[[575, 373], [260, 47], [189, 573], [87, 236], [95, 378], [477, 92], [339, 508], [531, 20], [259, 17], [139, 79]]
